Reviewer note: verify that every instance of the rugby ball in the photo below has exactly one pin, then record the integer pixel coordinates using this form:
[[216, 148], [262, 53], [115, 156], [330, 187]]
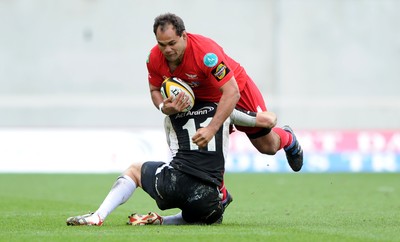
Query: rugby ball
[[172, 86]]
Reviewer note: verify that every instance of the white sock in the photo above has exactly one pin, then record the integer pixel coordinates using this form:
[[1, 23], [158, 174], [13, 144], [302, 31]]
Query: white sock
[[121, 191], [174, 219]]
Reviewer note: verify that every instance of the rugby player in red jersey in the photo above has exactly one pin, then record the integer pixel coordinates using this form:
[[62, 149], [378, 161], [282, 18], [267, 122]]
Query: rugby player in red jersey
[[215, 77]]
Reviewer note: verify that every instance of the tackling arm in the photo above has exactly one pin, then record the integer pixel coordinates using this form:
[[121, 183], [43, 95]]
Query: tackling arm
[[253, 119], [226, 105], [230, 97]]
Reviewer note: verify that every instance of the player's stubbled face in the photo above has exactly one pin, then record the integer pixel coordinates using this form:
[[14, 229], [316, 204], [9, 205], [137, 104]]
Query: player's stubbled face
[[170, 44]]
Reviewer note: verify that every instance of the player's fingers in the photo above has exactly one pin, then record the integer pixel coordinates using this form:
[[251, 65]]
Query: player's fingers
[[181, 106], [181, 102], [169, 100], [202, 144], [180, 97], [195, 138], [200, 140]]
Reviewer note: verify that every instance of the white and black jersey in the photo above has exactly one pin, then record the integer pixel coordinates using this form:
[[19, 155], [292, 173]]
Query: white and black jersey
[[206, 163]]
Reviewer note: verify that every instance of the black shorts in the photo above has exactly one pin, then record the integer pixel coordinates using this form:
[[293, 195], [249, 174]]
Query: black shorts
[[170, 188]]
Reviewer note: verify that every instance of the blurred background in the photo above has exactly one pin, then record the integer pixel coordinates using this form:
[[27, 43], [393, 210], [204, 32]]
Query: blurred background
[[322, 66]]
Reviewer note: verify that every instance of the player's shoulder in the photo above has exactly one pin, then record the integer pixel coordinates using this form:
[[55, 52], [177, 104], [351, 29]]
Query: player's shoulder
[[154, 55], [205, 50], [198, 37], [201, 43]]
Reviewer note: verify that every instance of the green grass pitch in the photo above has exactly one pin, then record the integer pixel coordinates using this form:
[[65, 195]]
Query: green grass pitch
[[266, 207]]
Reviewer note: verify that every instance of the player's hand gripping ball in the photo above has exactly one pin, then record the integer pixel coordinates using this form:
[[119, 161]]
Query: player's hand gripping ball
[[173, 86]]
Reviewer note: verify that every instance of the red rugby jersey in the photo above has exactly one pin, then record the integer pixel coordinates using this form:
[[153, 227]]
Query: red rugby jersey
[[205, 67]]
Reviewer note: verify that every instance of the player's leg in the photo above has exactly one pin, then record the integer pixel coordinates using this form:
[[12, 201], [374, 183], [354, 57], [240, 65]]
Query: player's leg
[[245, 118], [120, 192], [153, 218], [156, 181], [206, 209], [269, 141], [171, 188], [226, 197]]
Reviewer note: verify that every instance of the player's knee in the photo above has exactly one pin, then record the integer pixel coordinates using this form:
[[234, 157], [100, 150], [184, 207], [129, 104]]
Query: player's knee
[[266, 119], [134, 171]]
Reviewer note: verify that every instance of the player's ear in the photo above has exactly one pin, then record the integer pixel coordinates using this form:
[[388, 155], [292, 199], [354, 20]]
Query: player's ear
[[184, 35]]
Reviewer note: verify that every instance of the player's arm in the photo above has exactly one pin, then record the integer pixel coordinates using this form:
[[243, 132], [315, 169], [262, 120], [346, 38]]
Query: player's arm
[[155, 95], [227, 103], [264, 119], [230, 97]]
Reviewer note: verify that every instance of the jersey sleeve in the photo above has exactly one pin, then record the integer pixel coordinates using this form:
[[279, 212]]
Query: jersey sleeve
[[215, 64], [152, 63]]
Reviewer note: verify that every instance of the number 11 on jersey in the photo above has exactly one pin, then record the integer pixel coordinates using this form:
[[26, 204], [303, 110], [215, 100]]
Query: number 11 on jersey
[[190, 126]]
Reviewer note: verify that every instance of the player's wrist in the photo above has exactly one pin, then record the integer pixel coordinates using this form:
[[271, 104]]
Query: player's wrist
[[161, 106]]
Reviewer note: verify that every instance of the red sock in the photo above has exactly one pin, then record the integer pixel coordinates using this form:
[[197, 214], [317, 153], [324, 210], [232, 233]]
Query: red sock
[[222, 189], [286, 137]]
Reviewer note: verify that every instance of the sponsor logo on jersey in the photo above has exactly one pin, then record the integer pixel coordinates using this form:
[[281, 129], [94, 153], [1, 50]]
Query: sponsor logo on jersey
[[210, 59], [220, 71], [201, 111]]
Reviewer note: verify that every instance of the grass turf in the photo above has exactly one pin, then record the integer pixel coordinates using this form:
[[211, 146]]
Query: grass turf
[[266, 207]]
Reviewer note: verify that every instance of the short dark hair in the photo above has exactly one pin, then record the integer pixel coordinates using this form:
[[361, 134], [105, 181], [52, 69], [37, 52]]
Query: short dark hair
[[169, 18]]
